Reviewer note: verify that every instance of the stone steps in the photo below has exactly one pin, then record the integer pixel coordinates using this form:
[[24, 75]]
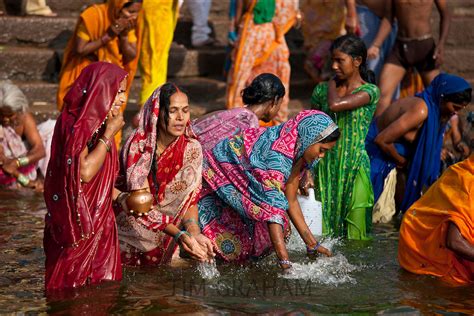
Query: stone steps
[[31, 50]]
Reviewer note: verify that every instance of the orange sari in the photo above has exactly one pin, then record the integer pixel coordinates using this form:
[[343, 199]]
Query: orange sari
[[422, 246], [261, 48], [96, 19]]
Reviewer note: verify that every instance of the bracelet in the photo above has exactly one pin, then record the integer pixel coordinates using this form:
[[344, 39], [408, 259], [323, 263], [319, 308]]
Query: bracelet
[[119, 198], [314, 249], [179, 234], [103, 142], [285, 262], [107, 141], [23, 161], [22, 179]]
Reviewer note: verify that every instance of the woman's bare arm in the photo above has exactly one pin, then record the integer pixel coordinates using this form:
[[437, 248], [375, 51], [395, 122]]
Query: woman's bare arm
[[30, 131], [408, 121], [347, 102], [294, 210], [456, 242]]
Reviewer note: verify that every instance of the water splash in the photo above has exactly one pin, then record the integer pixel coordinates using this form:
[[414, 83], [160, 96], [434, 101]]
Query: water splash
[[208, 271], [331, 271]]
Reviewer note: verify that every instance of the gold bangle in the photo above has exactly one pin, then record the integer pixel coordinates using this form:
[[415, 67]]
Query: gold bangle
[[103, 142], [22, 179], [23, 161]]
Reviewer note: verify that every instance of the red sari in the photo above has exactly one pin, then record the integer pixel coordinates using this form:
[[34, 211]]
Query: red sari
[[80, 235]]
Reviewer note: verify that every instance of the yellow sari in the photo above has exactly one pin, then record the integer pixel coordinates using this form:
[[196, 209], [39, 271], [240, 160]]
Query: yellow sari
[[158, 24], [95, 20], [261, 48], [422, 246]]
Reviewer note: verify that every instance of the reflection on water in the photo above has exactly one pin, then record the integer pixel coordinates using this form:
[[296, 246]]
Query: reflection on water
[[361, 277]]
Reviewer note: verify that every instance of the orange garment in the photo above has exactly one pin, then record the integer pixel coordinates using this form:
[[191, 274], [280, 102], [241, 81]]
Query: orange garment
[[95, 20], [261, 48], [411, 84], [422, 246]]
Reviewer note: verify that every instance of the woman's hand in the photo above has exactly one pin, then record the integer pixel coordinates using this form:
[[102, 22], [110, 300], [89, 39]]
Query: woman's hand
[[119, 25], [10, 166], [192, 247], [313, 252], [373, 52], [207, 245], [36, 185], [114, 123], [306, 183]]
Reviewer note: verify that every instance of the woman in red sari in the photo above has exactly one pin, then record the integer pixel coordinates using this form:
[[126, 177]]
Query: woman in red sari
[[163, 158], [80, 236]]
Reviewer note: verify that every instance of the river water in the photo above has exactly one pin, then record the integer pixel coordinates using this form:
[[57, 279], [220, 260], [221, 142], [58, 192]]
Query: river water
[[363, 277]]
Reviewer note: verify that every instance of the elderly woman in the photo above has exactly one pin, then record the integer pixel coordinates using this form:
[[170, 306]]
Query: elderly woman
[[22, 143], [163, 160]]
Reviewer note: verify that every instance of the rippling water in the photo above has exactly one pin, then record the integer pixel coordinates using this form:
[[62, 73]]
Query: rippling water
[[362, 277]]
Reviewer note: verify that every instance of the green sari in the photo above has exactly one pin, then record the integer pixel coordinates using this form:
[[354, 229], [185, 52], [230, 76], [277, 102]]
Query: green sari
[[343, 177]]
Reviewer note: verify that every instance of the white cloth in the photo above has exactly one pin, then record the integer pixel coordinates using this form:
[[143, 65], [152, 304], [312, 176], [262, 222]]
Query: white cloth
[[199, 10], [37, 7], [46, 130], [384, 208]]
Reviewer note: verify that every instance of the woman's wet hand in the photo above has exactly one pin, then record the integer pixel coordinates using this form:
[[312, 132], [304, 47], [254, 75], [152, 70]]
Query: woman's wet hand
[[324, 251], [192, 247], [207, 245]]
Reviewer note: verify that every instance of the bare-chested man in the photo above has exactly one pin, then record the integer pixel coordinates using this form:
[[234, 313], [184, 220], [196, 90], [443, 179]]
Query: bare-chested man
[[409, 136], [415, 46], [370, 14]]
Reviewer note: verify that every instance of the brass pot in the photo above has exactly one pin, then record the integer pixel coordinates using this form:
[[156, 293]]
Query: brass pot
[[139, 202]]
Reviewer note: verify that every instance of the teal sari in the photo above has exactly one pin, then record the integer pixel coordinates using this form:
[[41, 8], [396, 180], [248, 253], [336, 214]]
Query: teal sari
[[342, 178]]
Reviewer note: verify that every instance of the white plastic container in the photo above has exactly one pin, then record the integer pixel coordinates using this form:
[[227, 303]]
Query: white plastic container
[[312, 212]]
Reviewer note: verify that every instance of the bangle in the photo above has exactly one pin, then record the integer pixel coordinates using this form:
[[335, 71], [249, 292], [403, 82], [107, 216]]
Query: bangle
[[103, 142], [313, 250], [22, 179], [285, 262], [107, 141], [17, 163], [22, 161], [179, 234]]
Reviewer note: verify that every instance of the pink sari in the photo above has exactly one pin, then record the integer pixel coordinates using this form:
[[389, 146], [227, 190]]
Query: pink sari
[[80, 235], [174, 179]]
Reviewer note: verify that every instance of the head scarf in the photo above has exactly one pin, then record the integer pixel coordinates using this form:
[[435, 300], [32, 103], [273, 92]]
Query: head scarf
[[86, 107], [425, 165]]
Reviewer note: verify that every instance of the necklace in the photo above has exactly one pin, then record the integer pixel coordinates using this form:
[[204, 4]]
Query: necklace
[[159, 148]]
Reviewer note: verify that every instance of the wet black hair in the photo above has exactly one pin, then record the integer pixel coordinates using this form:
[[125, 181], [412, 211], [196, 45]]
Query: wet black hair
[[353, 46], [167, 90], [463, 97], [265, 87], [334, 136]]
